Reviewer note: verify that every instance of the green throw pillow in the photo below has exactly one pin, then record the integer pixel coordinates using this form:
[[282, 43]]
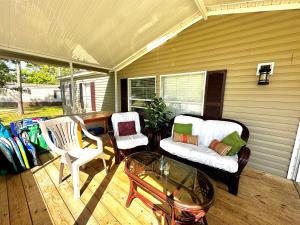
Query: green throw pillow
[[235, 141], [182, 128]]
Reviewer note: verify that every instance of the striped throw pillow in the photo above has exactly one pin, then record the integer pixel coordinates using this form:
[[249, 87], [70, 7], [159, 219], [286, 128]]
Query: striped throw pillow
[[185, 138], [219, 147]]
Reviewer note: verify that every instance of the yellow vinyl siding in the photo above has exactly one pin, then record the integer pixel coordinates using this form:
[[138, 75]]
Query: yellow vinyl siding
[[238, 43]]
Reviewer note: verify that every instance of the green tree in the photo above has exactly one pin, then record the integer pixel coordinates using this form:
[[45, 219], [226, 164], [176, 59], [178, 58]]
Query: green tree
[[66, 71], [43, 74], [40, 74], [5, 76]]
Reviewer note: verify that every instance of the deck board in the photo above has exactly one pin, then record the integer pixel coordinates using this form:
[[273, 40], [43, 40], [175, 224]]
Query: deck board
[[102, 215], [4, 210], [57, 209], [35, 197], [37, 207], [76, 207], [18, 208]]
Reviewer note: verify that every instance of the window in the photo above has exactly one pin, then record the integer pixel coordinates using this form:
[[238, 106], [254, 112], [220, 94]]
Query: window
[[86, 95], [140, 92], [184, 93]]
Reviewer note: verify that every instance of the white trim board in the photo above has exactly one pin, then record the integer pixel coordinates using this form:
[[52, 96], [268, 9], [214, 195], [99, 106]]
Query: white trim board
[[20, 54], [264, 8], [295, 159]]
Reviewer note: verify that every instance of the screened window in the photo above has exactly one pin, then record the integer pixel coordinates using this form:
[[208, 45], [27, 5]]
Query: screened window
[[184, 93], [141, 90]]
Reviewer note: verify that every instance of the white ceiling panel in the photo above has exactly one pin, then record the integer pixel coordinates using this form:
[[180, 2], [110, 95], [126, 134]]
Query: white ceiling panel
[[105, 33], [97, 32]]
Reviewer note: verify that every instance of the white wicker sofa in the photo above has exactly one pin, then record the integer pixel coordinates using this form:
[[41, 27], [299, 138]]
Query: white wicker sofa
[[224, 168]]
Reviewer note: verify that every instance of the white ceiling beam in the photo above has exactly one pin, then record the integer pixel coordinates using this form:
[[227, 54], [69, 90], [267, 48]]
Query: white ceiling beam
[[264, 8], [13, 53], [160, 40], [202, 8]]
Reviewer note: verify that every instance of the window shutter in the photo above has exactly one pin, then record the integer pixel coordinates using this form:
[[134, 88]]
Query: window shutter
[[214, 94], [81, 96], [71, 97], [93, 96], [124, 95]]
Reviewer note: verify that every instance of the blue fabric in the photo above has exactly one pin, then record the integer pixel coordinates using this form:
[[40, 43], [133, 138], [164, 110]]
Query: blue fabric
[[8, 153], [17, 152], [4, 132]]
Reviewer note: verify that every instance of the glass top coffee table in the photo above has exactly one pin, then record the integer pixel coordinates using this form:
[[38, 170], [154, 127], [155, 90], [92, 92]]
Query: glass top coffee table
[[184, 192]]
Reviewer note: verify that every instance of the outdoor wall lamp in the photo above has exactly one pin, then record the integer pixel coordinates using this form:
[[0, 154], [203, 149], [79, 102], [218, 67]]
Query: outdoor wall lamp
[[263, 72]]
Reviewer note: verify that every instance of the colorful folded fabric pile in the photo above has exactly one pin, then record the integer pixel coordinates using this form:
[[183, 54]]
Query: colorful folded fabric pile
[[18, 151]]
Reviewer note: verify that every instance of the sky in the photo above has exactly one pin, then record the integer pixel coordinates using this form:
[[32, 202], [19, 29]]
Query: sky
[[12, 65]]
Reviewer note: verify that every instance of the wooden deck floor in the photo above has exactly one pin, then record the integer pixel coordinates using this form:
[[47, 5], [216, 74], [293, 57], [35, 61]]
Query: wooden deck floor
[[35, 197]]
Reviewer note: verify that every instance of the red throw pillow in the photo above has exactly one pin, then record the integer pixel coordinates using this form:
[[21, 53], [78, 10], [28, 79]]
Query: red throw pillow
[[126, 128]]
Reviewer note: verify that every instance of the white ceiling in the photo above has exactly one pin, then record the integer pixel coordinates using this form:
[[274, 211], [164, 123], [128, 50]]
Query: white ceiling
[[107, 33]]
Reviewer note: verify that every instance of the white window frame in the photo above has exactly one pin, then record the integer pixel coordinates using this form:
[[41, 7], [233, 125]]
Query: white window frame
[[182, 74], [84, 96], [129, 91]]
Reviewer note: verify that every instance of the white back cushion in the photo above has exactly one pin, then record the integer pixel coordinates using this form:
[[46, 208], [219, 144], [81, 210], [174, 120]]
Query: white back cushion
[[197, 124], [216, 129], [125, 117]]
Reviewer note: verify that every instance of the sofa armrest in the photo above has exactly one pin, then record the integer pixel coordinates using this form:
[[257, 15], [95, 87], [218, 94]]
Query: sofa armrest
[[166, 131], [243, 158]]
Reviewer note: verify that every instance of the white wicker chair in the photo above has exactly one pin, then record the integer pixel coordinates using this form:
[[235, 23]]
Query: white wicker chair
[[64, 132]]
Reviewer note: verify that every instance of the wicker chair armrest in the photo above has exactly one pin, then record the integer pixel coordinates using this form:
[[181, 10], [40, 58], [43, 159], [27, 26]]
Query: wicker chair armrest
[[145, 131], [243, 158], [167, 131]]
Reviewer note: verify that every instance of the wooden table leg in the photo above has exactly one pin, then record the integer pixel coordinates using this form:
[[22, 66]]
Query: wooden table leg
[[105, 124], [132, 193]]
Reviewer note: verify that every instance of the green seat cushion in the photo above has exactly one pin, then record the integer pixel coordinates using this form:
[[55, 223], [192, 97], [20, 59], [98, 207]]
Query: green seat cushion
[[183, 128], [235, 141]]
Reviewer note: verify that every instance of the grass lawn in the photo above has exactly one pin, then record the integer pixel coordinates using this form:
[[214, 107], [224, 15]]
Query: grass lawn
[[10, 114]]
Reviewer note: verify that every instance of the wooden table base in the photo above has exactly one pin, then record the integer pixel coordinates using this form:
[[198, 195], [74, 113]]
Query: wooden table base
[[169, 219]]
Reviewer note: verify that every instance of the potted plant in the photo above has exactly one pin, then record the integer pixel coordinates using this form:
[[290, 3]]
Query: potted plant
[[157, 118]]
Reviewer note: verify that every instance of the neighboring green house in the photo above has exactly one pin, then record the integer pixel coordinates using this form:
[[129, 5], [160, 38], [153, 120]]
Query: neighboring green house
[[94, 91]]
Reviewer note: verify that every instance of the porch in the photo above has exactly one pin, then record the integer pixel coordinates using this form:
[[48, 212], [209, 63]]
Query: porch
[[35, 197], [132, 43]]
